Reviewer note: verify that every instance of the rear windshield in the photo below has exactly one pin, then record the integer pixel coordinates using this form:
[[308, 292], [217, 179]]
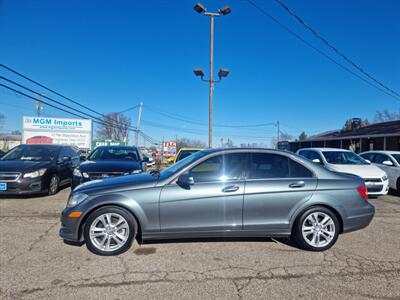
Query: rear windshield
[[114, 154], [343, 158]]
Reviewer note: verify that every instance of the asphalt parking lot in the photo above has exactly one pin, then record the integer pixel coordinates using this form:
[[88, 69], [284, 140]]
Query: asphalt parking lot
[[36, 264]]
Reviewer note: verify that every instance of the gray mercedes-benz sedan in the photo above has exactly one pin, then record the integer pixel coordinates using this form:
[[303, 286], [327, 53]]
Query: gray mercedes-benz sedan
[[219, 193]]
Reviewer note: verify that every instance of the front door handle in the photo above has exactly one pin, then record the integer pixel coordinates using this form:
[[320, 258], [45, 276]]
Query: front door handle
[[297, 184], [231, 188]]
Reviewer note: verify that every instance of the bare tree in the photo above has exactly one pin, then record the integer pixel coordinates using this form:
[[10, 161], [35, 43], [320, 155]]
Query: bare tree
[[283, 136], [115, 127], [385, 115], [302, 136], [189, 143]]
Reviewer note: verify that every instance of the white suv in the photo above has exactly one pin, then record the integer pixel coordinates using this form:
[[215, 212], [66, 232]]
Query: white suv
[[388, 161], [345, 161]]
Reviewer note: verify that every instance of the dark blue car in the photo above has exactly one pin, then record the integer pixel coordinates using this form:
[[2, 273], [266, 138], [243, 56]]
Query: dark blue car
[[109, 161]]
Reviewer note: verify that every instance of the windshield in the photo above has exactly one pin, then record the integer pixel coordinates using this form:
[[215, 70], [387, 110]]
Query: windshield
[[114, 154], [343, 158], [396, 157], [185, 153], [35, 153], [182, 163]]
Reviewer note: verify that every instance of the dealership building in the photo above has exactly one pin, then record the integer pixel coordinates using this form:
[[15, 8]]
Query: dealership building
[[377, 136]]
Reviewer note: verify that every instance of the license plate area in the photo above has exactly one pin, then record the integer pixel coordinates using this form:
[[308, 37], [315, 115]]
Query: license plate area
[[3, 186]]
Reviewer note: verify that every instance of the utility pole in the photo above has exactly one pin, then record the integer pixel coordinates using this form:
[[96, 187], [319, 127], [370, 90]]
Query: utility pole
[[139, 121], [211, 73], [38, 105], [222, 73]]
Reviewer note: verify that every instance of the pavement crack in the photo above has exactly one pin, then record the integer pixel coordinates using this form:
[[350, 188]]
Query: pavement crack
[[41, 237]]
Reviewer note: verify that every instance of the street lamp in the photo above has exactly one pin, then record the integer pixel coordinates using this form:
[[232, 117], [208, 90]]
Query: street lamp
[[222, 72]]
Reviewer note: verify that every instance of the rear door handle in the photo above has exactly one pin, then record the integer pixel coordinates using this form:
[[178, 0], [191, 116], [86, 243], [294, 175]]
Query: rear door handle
[[231, 188], [297, 184]]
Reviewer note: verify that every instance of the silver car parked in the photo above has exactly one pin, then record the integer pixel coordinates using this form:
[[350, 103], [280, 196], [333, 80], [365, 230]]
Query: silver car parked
[[219, 193]]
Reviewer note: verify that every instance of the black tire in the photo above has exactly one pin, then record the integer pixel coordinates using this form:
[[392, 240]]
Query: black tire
[[398, 186], [54, 184], [297, 233], [132, 224]]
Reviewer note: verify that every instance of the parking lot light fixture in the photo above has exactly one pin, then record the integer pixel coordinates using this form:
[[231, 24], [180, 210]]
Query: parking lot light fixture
[[223, 73], [198, 72], [199, 8], [225, 10]]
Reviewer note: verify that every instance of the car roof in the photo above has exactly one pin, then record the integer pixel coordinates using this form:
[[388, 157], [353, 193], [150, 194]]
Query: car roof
[[194, 148], [237, 149], [118, 147], [325, 149], [382, 151], [46, 145]]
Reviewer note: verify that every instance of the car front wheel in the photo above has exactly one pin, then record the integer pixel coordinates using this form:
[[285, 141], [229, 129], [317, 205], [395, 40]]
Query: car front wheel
[[54, 185], [110, 231], [317, 229]]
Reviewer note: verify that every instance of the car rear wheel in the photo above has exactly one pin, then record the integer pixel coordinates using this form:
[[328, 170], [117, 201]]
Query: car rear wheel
[[316, 229], [110, 231], [54, 185]]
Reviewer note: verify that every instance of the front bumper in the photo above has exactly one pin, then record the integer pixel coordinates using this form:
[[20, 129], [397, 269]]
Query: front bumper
[[70, 227], [25, 186], [377, 189]]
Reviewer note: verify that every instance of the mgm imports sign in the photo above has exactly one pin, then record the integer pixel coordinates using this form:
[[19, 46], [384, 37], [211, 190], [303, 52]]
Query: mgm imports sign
[[43, 130]]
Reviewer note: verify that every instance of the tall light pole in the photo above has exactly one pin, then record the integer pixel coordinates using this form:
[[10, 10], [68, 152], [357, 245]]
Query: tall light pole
[[222, 72]]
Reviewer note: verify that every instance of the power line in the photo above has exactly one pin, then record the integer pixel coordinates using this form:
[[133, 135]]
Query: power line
[[264, 12], [74, 111], [50, 90], [183, 119], [314, 32], [67, 98]]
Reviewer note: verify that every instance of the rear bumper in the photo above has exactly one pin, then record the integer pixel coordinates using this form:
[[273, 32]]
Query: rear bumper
[[360, 221]]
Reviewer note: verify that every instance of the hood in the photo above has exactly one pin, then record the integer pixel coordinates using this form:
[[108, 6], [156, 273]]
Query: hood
[[363, 171], [136, 181], [109, 166], [23, 166]]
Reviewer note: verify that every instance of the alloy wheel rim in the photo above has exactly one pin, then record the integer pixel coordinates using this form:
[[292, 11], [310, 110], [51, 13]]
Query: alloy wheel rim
[[109, 232], [53, 184], [318, 229]]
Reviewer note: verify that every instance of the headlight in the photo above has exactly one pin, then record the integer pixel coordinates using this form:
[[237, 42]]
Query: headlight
[[78, 173], [136, 171], [75, 199], [384, 178], [35, 174]]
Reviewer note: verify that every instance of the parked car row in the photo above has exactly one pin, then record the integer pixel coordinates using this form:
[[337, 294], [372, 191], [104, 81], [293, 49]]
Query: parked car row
[[379, 169], [45, 168]]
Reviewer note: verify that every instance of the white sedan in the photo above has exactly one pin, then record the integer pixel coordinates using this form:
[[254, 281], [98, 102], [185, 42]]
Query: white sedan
[[388, 161], [345, 161]]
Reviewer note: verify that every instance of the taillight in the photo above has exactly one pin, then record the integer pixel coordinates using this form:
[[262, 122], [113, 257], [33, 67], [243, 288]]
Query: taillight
[[362, 190]]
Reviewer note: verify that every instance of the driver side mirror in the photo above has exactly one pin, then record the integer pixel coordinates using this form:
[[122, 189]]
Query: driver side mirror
[[145, 159], [82, 158], [185, 181], [367, 160], [387, 163]]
